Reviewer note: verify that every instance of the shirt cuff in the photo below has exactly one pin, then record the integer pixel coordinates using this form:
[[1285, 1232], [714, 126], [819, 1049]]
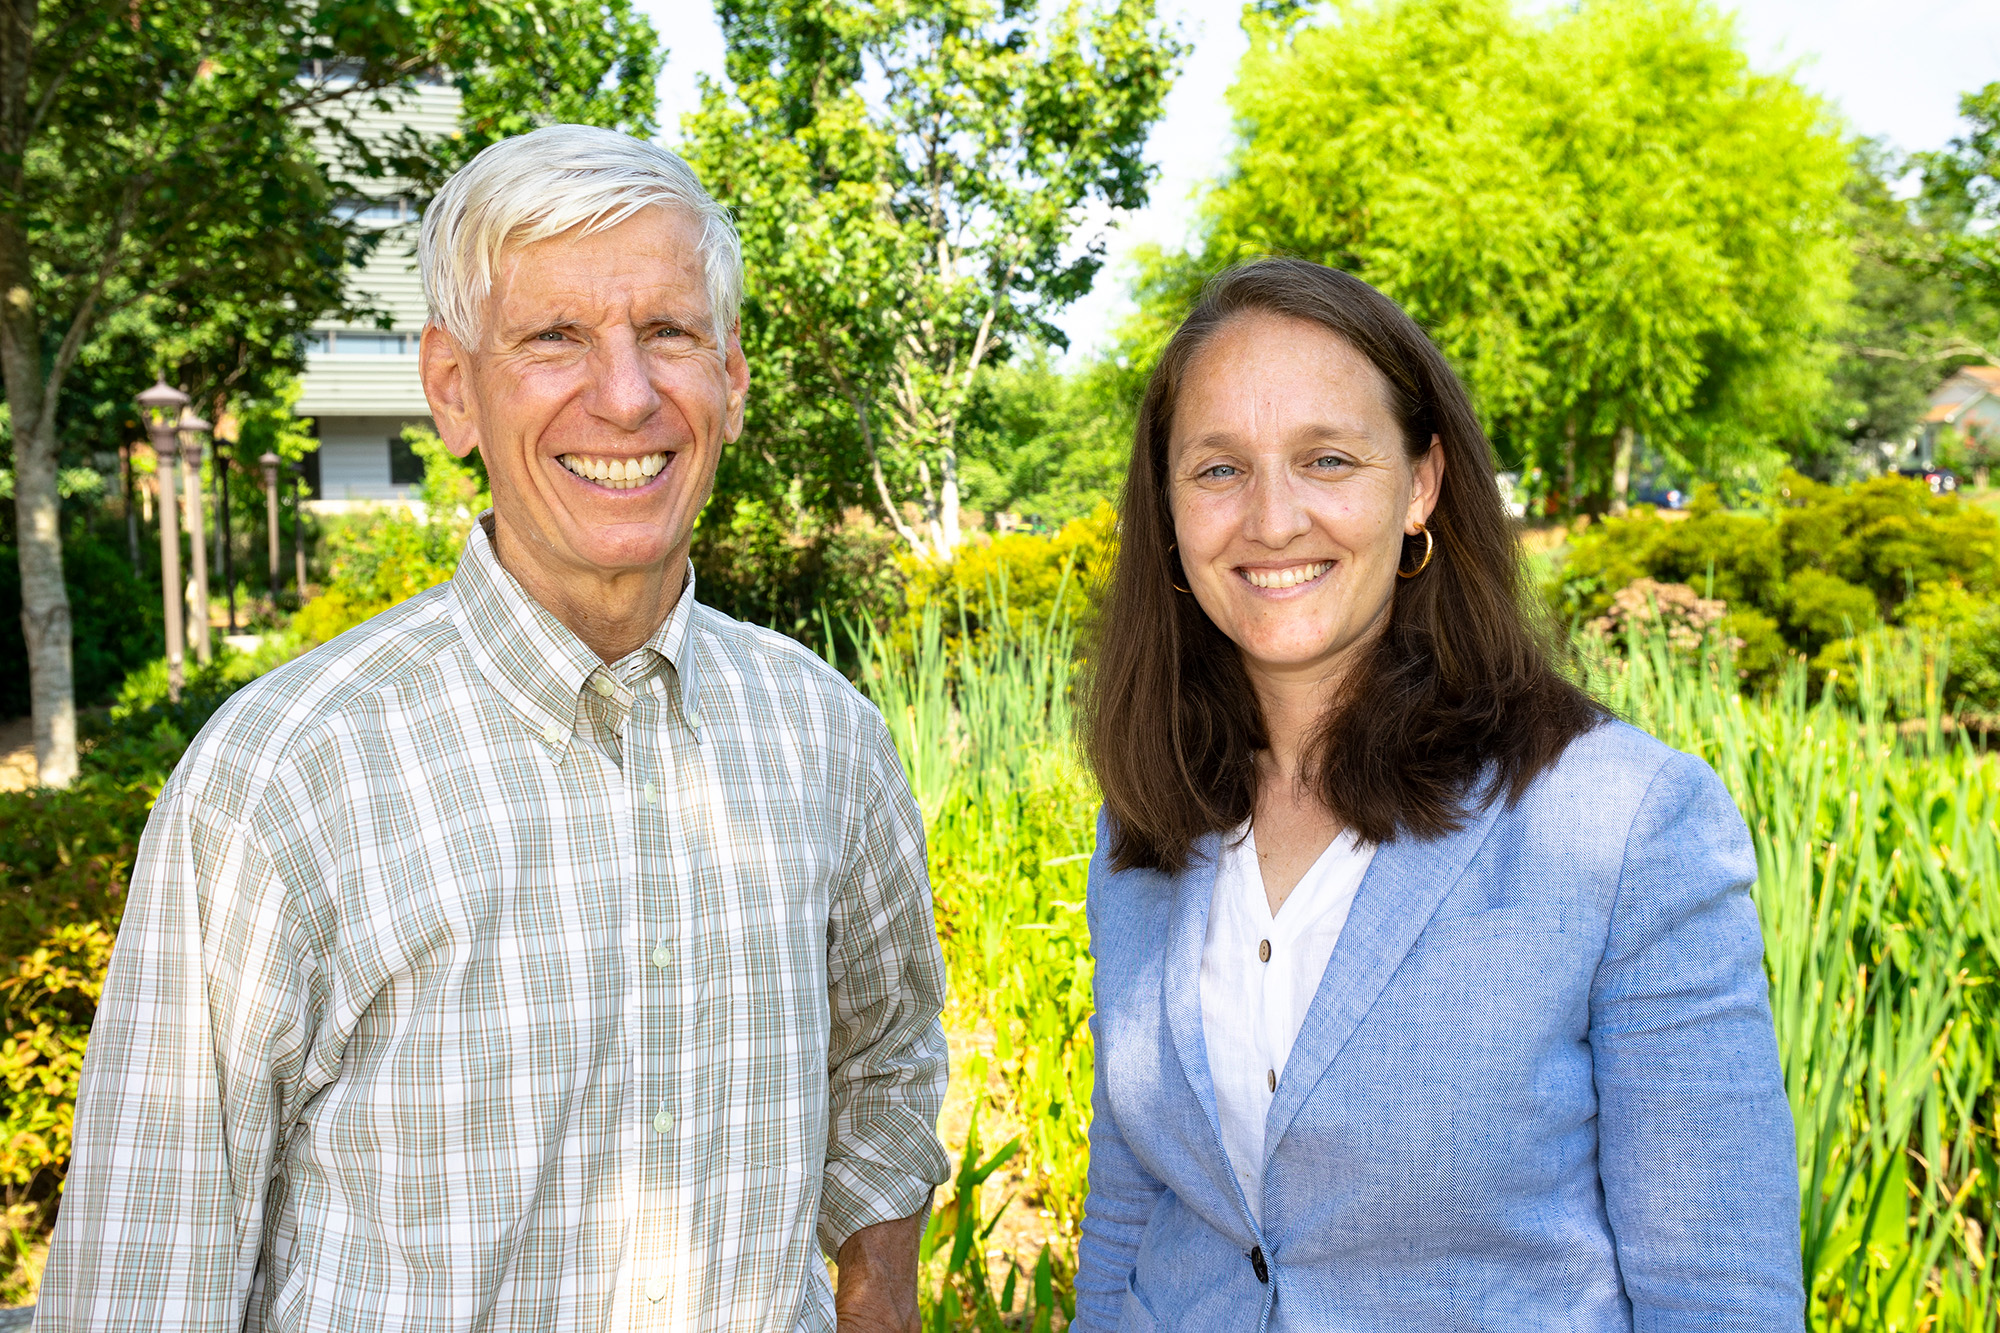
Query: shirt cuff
[[860, 1192]]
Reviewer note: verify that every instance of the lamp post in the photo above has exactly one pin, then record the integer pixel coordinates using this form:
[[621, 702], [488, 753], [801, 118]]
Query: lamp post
[[160, 408], [270, 465], [225, 553], [192, 428], [298, 528]]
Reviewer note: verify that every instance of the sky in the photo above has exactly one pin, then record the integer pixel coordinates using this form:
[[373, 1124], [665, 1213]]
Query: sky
[[1895, 68]]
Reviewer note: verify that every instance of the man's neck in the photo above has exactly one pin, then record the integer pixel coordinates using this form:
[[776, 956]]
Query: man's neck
[[613, 614]]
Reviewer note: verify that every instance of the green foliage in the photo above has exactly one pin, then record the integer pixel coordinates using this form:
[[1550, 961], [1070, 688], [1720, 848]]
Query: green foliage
[[1023, 578], [1904, 328], [1828, 563], [786, 568], [1501, 176], [115, 620], [1045, 444], [908, 179], [1961, 201], [384, 556]]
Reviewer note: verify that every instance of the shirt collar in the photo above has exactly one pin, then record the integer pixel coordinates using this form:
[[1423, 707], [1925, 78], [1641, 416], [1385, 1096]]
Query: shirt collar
[[532, 659]]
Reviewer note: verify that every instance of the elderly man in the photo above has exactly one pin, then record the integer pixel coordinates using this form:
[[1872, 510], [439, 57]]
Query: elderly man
[[551, 952]]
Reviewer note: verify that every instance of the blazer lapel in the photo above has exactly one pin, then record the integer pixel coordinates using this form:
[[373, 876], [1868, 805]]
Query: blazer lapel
[[1180, 980], [1404, 885]]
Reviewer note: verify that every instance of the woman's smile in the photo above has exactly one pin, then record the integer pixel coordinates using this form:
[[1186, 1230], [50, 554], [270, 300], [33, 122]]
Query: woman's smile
[[1285, 578]]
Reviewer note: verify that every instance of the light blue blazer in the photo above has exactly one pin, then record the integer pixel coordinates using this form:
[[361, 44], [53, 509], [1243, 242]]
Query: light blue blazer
[[1537, 1090]]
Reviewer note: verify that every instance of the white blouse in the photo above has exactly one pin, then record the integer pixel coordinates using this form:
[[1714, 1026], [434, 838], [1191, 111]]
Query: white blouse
[[1258, 975]]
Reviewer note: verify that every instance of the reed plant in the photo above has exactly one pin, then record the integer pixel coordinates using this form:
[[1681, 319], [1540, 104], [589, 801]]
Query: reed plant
[[1877, 831]]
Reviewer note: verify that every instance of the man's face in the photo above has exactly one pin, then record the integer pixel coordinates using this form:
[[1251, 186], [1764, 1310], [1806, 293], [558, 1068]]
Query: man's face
[[599, 397]]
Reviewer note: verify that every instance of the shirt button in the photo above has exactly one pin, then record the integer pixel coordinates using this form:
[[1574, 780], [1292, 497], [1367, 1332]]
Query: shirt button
[[1263, 951], [602, 685], [656, 1288], [1271, 1079], [663, 1122], [552, 734], [651, 795], [662, 955]]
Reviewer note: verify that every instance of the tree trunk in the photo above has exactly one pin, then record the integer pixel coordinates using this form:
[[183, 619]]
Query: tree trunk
[[1621, 472], [44, 602], [37, 508], [948, 508]]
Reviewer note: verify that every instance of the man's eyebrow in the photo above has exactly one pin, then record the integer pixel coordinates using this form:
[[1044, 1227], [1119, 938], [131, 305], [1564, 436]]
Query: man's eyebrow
[[687, 320]]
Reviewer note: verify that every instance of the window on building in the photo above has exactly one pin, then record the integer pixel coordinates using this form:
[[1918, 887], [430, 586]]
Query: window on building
[[372, 344], [405, 468], [374, 212]]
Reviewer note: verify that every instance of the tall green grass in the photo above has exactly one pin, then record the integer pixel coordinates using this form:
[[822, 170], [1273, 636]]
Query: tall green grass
[[1878, 846]]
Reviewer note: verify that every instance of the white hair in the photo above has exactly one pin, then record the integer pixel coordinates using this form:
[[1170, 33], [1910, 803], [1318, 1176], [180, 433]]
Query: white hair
[[553, 180]]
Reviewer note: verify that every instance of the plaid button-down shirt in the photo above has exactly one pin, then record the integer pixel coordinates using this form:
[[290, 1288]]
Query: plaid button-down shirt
[[469, 983]]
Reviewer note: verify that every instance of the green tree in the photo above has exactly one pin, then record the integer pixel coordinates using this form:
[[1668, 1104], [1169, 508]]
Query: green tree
[[909, 180], [166, 173], [1610, 223], [1961, 200], [1905, 327]]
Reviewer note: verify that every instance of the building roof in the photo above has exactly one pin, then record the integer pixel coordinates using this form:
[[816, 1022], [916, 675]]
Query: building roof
[[1965, 387]]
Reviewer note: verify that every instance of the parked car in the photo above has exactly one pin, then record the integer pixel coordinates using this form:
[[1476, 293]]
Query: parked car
[[1941, 480], [1662, 497]]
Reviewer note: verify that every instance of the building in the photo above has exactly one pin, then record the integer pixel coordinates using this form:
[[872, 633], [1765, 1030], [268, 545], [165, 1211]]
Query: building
[[1968, 402], [360, 385]]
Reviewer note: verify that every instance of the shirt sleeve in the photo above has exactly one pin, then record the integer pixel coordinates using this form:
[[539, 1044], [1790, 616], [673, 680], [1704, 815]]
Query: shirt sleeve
[[885, 987], [1695, 1136], [178, 1107]]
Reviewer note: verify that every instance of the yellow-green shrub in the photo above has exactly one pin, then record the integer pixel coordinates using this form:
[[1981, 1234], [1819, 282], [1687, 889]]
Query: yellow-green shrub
[[1027, 571]]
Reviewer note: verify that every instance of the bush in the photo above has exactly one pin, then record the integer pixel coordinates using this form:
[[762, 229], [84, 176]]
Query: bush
[[1028, 571], [388, 555], [783, 569], [1826, 563], [115, 620]]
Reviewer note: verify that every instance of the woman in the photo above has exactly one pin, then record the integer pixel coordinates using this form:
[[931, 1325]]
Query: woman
[[1428, 997]]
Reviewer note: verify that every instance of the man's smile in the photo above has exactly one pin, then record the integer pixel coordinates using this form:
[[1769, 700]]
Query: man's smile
[[616, 474]]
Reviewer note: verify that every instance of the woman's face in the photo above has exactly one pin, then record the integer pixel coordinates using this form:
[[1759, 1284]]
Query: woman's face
[[1291, 492]]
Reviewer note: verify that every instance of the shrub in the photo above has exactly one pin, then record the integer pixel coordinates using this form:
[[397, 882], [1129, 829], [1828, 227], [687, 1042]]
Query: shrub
[[1029, 571], [779, 568], [388, 555], [1825, 563], [1686, 617], [115, 619]]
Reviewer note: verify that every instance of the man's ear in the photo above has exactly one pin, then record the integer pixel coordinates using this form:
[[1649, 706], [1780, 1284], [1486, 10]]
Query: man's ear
[[737, 368], [443, 365]]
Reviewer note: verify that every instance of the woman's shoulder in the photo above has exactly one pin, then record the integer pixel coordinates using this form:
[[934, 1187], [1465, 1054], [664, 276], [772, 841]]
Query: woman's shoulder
[[1613, 779]]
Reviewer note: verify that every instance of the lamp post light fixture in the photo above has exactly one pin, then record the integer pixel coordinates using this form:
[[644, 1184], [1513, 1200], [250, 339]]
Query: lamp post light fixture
[[270, 462], [160, 410], [192, 428]]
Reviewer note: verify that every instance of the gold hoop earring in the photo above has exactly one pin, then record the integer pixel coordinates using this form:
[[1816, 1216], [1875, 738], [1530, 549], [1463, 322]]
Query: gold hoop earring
[[1173, 554], [1429, 546]]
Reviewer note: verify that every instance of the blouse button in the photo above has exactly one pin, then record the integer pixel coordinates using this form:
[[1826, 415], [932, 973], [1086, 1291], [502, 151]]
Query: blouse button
[[1263, 951]]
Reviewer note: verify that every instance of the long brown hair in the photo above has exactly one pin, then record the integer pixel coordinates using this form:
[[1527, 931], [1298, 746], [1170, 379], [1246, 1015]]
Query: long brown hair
[[1463, 705]]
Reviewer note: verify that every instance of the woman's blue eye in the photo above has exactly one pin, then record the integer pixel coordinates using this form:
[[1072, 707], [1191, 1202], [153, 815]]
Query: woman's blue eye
[[1219, 470], [1329, 461], [553, 334]]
